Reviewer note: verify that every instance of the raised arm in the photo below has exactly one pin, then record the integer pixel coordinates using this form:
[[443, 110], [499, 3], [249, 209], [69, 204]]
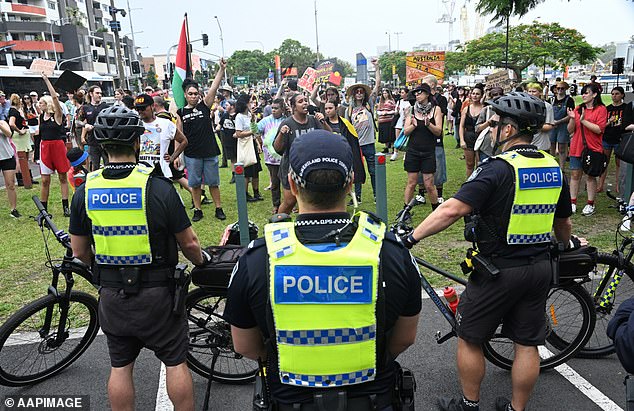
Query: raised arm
[[59, 114], [211, 93]]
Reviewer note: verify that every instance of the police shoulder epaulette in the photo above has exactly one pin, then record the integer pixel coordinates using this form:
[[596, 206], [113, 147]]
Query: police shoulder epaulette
[[392, 238], [255, 244]]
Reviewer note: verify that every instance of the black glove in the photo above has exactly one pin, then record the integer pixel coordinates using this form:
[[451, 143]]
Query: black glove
[[409, 241]]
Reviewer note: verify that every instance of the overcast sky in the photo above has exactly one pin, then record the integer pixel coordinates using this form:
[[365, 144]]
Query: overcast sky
[[347, 27]]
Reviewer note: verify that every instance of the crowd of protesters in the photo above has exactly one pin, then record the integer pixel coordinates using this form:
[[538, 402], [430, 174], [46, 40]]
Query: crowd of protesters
[[262, 123]]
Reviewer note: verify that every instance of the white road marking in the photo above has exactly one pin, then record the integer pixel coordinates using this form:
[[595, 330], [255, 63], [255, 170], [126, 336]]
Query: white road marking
[[34, 337], [587, 389], [163, 402]]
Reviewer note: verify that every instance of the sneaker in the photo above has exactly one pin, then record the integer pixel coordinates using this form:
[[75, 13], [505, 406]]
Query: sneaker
[[588, 210], [574, 208], [441, 200], [258, 197], [220, 214], [204, 199], [502, 404], [250, 198], [423, 200], [393, 157], [198, 215], [15, 213], [66, 212]]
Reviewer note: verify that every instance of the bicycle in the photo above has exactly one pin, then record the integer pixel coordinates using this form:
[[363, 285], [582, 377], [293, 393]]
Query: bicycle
[[611, 283], [569, 313], [47, 335]]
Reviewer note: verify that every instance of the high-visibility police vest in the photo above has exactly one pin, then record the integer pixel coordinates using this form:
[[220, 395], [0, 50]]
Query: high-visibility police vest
[[538, 183], [324, 306], [117, 209]]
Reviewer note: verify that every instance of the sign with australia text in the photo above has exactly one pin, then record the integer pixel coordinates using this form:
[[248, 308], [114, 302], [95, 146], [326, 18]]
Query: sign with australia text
[[419, 64]]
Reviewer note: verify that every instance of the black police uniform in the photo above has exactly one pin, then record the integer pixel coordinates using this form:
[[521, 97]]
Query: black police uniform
[[132, 322], [519, 293], [247, 302]]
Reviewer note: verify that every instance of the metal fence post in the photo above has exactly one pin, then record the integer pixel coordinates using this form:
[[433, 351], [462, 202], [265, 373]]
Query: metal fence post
[[381, 187], [241, 200]]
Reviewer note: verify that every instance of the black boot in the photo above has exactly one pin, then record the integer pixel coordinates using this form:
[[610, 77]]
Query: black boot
[[33, 180], [18, 176]]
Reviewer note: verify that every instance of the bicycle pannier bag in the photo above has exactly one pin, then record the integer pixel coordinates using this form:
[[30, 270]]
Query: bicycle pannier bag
[[218, 272], [625, 150], [577, 263]]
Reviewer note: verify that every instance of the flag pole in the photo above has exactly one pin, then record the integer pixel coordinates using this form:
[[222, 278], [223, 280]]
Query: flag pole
[[188, 72]]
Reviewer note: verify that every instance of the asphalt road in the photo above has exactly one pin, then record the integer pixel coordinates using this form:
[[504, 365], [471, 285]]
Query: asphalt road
[[432, 364]]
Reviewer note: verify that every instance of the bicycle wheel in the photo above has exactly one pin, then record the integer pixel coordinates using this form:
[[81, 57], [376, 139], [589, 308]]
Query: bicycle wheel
[[209, 335], [29, 354], [599, 345], [570, 319]]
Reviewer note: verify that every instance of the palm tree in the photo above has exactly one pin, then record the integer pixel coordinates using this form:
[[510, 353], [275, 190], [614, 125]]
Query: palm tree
[[502, 10]]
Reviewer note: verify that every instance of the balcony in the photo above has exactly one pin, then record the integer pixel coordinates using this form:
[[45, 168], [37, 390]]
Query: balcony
[[22, 9], [33, 45]]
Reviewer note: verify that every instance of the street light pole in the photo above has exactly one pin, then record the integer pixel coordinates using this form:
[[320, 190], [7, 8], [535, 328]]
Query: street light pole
[[316, 30], [117, 43], [389, 41], [398, 36], [53, 40]]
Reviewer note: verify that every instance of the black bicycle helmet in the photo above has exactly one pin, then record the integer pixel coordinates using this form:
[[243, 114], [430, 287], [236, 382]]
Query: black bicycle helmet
[[118, 125], [529, 112]]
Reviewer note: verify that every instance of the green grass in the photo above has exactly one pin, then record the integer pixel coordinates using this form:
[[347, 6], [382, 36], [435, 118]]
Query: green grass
[[23, 276]]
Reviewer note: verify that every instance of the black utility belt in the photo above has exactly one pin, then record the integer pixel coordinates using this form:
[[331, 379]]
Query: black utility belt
[[131, 279]]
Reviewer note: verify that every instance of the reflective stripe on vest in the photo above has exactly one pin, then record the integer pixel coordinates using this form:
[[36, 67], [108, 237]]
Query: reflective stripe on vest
[[324, 306], [538, 183], [117, 209]]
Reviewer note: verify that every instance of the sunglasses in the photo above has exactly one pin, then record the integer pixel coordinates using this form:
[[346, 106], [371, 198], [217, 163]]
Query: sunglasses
[[359, 91]]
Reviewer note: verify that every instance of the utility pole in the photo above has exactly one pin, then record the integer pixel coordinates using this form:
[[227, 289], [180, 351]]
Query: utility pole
[[316, 30], [133, 55], [389, 41], [117, 43], [398, 36]]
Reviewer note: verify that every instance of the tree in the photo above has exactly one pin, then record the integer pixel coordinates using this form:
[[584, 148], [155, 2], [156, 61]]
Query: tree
[[293, 52], [607, 53], [539, 44], [76, 16], [389, 59], [252, 63], [150, 78], [455, 62], [502, 11]]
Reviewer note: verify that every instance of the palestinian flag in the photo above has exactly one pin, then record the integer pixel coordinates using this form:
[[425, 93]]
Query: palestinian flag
[[181, 68]]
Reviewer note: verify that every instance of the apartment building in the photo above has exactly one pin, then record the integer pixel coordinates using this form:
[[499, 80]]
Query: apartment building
[[74, 33]]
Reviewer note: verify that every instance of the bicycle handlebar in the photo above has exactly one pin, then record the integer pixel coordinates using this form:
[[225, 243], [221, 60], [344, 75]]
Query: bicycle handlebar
[[62, 237]]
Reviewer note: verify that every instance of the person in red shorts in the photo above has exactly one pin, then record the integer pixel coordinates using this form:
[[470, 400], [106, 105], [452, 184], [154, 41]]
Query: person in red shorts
[[53, 146]]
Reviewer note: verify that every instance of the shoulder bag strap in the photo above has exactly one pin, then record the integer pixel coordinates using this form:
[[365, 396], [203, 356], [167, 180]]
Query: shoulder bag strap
[[583, 135]]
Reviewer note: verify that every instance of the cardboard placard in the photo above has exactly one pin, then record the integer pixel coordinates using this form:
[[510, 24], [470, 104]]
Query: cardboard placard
[[419, 64], [43, 66], [328, 71], [307, 82], [499, 79]]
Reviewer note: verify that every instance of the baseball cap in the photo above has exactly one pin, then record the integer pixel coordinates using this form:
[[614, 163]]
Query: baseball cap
[[320, 150], [143, 100], [76, 156]]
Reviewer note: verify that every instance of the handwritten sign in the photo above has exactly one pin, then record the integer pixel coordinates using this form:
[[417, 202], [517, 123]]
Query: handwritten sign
[[419, 64], [43, 66], [499, 79], [328, 71], [307, 82]]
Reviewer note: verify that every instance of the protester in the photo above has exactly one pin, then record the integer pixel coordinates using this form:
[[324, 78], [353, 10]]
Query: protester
[[201, 153], [402, 107], [86, 119], [78, 160], [385, 112], [541, 140], [457, 98], [361, 105], [268, 127], [423, 124], [484, 123], [468, 119], [8, 165], [438, 100], [587, 123], [300, 122], [619, 117], [245, 126], [593, 80], [559, 136], [21, 138], [5, 105]]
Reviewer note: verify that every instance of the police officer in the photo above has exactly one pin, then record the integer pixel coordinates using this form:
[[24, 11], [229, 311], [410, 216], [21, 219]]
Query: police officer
[[328, 301], [135, 221], [516, 197]]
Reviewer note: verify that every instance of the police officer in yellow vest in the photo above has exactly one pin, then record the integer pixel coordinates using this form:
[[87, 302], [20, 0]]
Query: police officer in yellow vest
[[329, 301], [135, 222], [515, 199]]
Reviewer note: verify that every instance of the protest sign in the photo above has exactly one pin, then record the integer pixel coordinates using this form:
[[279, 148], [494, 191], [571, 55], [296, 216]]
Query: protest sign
[[419, 64], [43, 66]]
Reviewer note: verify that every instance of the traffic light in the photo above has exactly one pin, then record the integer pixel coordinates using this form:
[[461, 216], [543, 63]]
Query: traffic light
[[205, 39], [95, 56], [618, 65], [136, 67]]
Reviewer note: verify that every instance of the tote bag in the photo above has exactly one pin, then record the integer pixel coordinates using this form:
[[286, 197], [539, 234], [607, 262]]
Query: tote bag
[[246, 151]]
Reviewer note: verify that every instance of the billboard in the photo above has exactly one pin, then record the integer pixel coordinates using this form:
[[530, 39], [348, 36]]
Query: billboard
[[419, 64]]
